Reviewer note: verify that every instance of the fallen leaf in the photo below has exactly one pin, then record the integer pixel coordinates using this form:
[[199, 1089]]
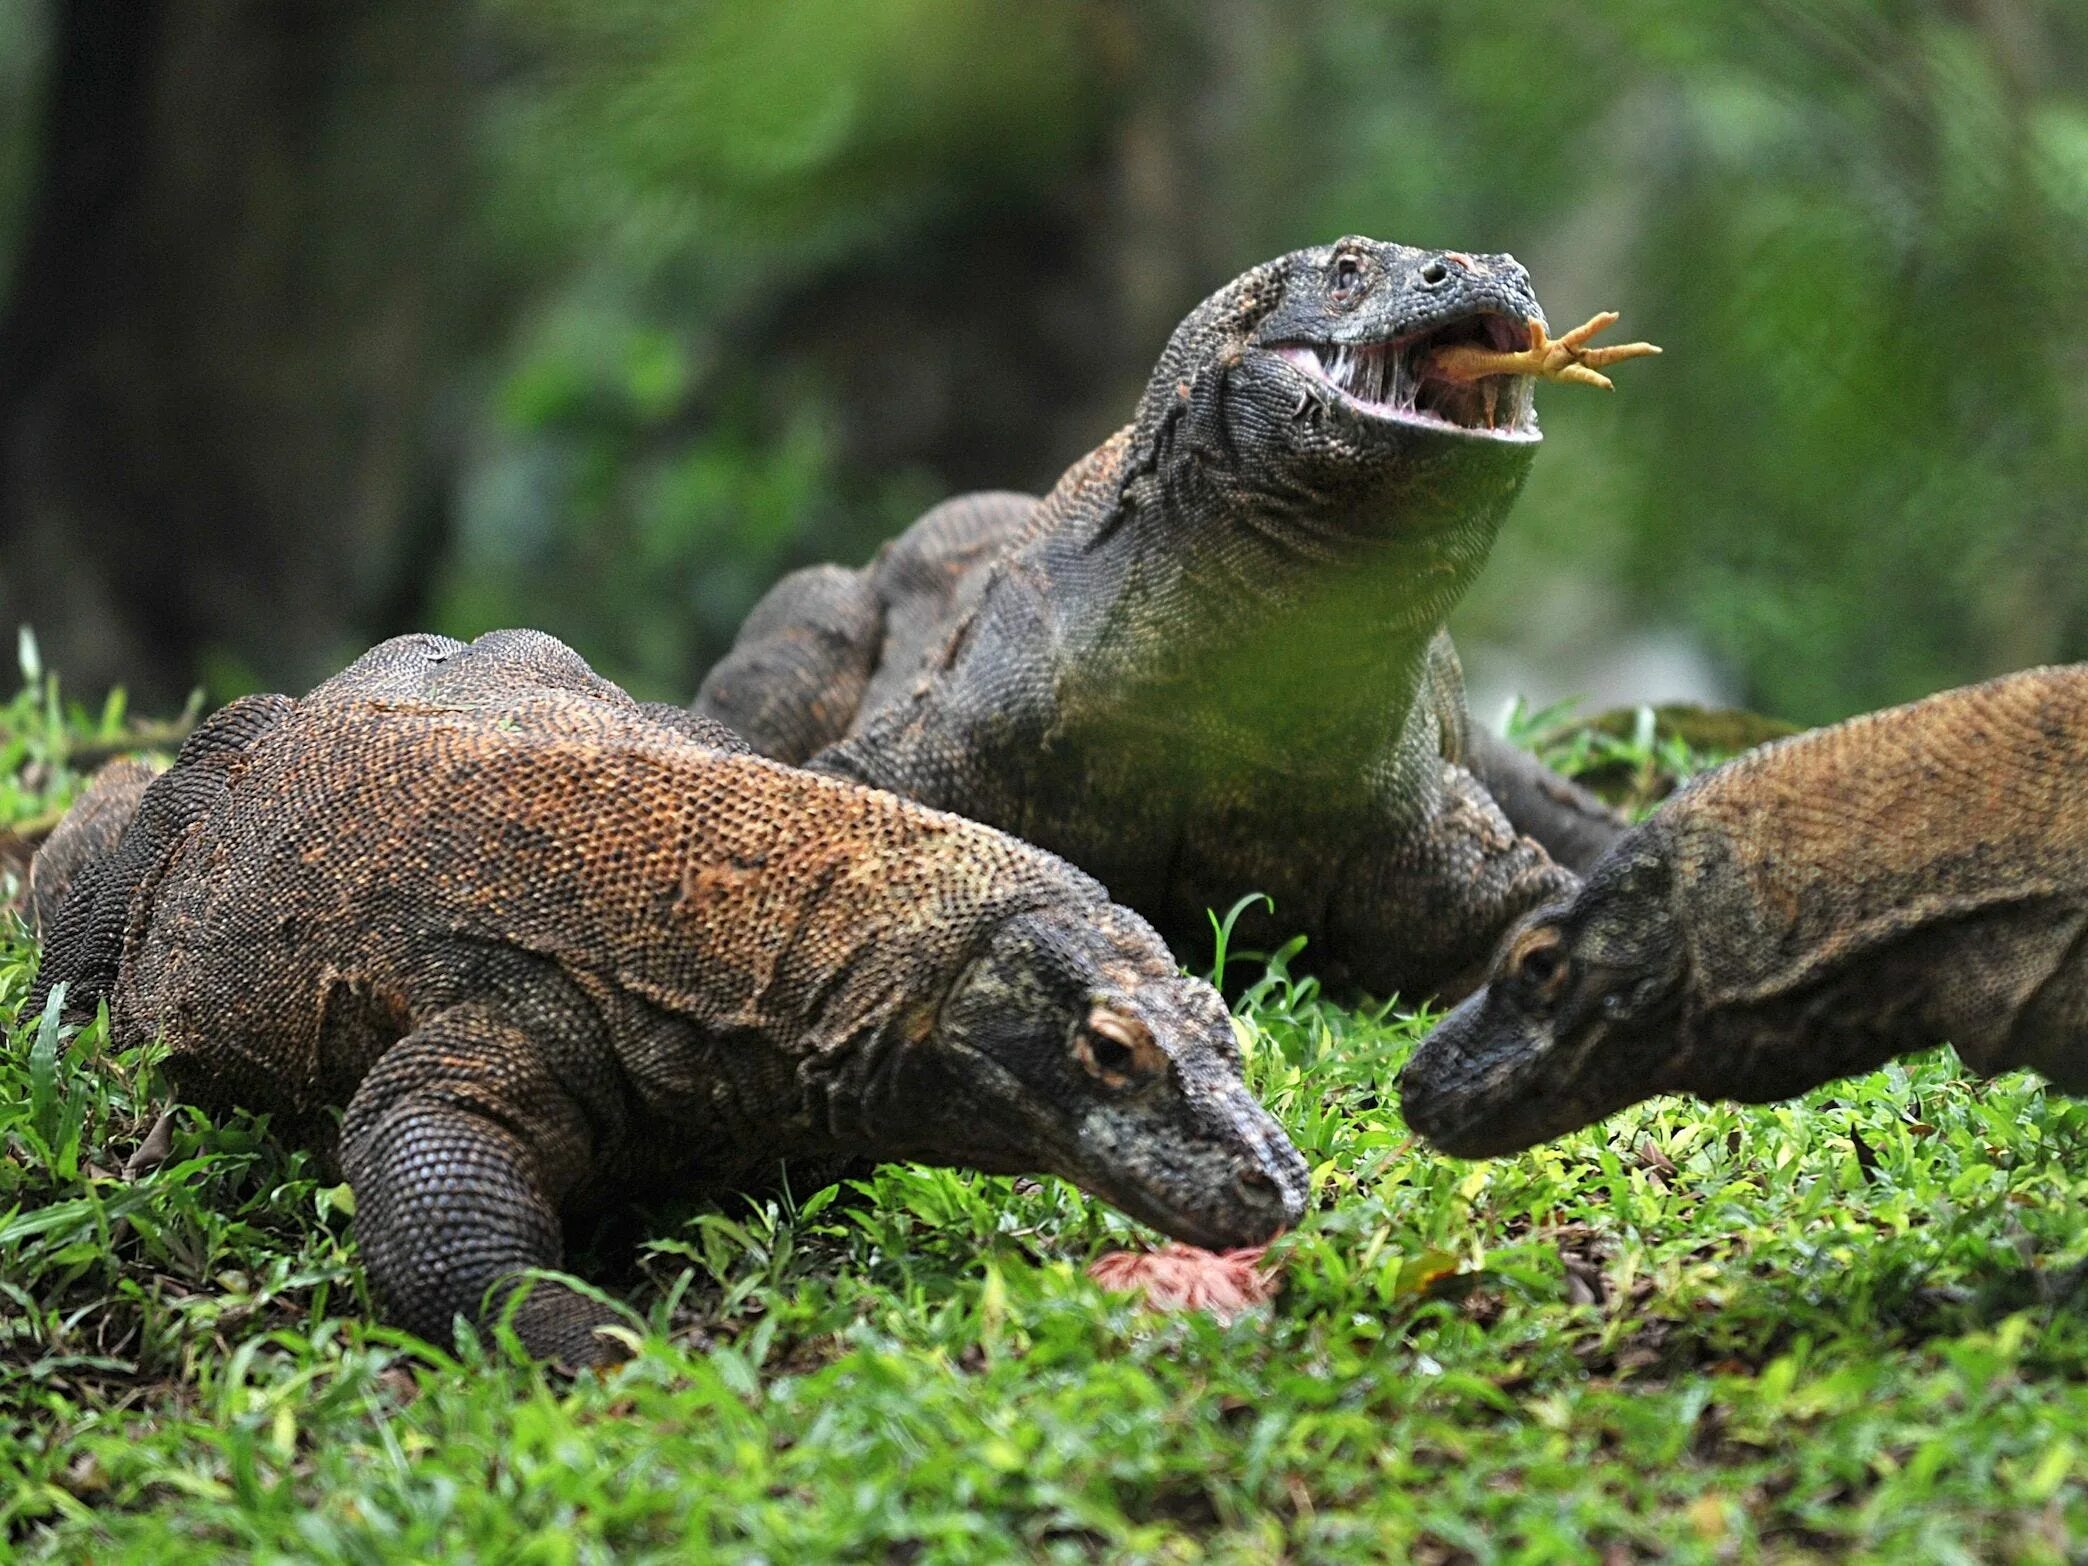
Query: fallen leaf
[[154, 1150], [1651, 1157]]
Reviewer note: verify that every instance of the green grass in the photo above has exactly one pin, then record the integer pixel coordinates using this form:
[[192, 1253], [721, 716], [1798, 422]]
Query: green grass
[[1822, 1330]]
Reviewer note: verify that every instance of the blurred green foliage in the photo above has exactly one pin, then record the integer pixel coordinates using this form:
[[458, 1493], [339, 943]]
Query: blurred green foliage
[[638, 476], [1859, 229], [22, 46], [773, 278]]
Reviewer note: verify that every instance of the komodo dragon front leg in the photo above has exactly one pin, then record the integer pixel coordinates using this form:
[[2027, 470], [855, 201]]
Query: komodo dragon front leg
[[1573, 825], [462, 1147], [1568, 822], [1423, 909]]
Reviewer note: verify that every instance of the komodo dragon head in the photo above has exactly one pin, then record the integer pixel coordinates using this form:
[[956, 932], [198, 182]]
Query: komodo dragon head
[[1810, 910], [1312, 385], [1578, 1019], [1069, 1045]]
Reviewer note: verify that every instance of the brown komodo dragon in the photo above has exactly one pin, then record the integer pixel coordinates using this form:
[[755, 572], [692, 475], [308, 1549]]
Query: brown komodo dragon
[[1212, 662], [1811, 910], [549, 948]]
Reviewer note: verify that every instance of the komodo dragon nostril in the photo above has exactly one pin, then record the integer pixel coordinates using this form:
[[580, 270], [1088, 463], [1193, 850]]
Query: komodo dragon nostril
[[1257, 1188], [1434, 274]]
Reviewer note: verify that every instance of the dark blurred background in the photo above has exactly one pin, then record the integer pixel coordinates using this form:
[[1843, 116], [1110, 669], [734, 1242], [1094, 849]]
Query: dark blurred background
[[325, 319]]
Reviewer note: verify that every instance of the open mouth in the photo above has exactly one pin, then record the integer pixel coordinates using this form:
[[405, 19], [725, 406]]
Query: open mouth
[[1396, 380]]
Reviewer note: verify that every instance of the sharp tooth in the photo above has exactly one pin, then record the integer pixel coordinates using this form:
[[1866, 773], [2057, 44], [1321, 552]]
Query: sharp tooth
[[1490, 393]]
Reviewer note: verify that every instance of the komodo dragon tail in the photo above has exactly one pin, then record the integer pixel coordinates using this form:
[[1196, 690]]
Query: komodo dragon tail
[[118, 837], [90, 831]]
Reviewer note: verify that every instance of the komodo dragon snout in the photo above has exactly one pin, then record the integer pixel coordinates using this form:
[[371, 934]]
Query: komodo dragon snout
[[1360, 328], [1823, 904], [1577, 1020], [1074, 1037]]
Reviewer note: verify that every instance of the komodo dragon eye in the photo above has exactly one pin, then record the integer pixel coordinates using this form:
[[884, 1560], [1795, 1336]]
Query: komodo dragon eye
[[1536, 965], [1118, 1051]]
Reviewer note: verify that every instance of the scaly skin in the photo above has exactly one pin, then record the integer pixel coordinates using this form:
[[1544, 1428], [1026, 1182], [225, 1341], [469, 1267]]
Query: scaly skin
[[1814, 909], [1211, 662], [550, 948], [88, 832]]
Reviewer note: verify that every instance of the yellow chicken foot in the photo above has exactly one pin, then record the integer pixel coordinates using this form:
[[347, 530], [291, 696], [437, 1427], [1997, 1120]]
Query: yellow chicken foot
[[1566, 358]]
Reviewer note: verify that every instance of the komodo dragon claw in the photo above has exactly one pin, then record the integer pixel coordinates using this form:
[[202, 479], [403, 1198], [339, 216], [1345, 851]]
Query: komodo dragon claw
[[1564, 358]]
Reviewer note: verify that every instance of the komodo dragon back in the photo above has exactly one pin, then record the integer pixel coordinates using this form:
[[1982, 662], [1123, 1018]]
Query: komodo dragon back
[[1908, 878], [549, 947], [1810, 852]]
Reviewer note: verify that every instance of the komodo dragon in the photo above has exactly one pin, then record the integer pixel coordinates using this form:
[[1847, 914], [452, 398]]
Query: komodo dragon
[[549, 947], [89, 830], [1212, 662], [1813, 909]]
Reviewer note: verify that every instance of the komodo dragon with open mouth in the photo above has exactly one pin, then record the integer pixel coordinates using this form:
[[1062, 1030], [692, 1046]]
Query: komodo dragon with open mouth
[[1212, 662], [1813, 909], [549, 948]]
